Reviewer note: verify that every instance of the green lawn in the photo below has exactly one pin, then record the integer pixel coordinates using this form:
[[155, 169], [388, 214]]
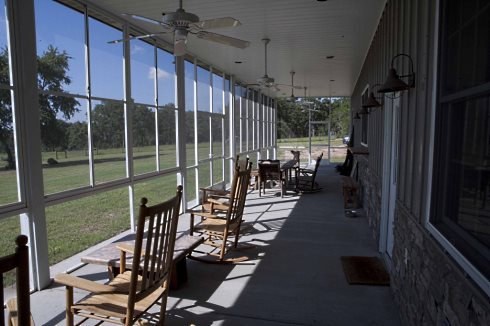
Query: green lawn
[[79, 224]]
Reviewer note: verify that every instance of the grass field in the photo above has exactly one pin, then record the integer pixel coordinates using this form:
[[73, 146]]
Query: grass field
[[78, 224]]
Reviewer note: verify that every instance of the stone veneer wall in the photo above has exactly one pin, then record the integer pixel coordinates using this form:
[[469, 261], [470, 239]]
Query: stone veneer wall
[[428, 286], [370, 193]]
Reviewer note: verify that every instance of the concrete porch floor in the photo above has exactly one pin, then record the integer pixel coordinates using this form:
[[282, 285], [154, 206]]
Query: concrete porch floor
[[294, 275]]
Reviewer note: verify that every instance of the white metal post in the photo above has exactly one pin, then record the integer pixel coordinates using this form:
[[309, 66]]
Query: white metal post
[[157, 132], [223, 119], [196, 141], [128, 126], [210, 122], [309, 134], [180, 134], [88, 82], [232, 131], [22, 56]]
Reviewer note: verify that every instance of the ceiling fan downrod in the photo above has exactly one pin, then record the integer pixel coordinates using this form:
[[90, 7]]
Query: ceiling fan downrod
[[266, 41]]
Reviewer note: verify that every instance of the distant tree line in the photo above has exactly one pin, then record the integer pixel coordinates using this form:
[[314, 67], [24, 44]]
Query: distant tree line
[[60, 134], [57, 133], [292, 117]]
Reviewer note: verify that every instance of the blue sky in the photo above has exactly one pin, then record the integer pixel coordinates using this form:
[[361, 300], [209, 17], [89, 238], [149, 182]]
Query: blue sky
[[63, 28]]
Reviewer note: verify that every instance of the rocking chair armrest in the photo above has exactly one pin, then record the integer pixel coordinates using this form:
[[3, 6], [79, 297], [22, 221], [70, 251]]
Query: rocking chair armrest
[[84, 284], [305, 171], [218, 202], [126, 247], [215, 192], [207, 215]]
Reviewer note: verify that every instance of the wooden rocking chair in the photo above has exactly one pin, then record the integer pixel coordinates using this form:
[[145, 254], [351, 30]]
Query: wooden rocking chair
[[18, 309], [212, 198], [217, 226], [305, 178], [130, 294]]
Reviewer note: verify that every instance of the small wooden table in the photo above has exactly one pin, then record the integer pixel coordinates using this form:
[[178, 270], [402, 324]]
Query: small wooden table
[[109, 256]]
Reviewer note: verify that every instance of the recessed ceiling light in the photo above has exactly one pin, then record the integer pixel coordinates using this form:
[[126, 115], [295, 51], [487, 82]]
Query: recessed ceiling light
[[330, 56], [238, 62]]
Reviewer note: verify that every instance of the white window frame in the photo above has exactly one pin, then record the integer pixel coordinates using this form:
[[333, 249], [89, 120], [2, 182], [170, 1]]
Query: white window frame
[[452, 251]]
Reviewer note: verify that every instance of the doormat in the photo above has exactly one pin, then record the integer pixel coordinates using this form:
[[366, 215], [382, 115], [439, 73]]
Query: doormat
[[365, 270]]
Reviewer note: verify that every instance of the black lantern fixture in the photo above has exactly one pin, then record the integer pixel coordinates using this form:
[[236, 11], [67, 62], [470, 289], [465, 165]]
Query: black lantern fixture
[[363, 111], [371, 102], [393, 82]]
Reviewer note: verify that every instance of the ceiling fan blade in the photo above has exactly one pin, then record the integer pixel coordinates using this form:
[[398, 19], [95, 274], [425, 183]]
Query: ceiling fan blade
[[222, 39], [216, 23], [135, 38], [146, 19], [286, 85], [179, 48]]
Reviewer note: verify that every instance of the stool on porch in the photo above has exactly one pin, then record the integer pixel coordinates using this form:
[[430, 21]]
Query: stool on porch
[[350, 189]]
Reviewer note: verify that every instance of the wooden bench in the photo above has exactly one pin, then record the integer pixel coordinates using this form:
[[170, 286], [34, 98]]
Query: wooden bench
[[109, 256], [350, 189]]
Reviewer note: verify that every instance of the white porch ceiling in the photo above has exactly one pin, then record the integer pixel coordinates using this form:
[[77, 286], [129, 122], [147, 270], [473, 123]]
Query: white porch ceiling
[[302, 33]]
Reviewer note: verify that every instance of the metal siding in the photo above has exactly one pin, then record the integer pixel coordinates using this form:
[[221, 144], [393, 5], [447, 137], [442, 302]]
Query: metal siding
[[420, 109], [432, 46], [405, 27]]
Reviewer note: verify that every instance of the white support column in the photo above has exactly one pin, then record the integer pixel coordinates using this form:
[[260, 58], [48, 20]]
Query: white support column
[[232, 132], [88, 81], [157, 132], [274, 126], [254, 123], [210, 121], [180, 127], [128, 125], [223, 121], [22, 50], [241, 119], [247, 118], [196, 141]]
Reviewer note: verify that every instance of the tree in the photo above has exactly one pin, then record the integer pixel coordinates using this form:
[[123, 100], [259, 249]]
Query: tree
[[293, 116], [77, 136], [108, 125], [6, 132], [53, 67]]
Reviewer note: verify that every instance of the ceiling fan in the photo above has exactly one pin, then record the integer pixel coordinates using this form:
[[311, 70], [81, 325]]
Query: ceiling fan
[[265, 80], [292, 98], [182, 23]]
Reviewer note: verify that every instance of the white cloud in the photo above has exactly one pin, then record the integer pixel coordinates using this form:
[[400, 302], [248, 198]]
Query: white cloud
[[162, 74], [135, 49]]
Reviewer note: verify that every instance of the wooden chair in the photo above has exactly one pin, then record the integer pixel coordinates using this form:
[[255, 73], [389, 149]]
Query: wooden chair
[[219, 225], [214, 199], [270, 170], [131, 293], [305, 178], [18, 309]]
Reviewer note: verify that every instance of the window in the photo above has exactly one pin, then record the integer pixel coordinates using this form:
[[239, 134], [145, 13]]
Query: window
[[105, 60], [461, 184], [364, 119], [166, 109], [108, 140], [8, 171], [189, 113]]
